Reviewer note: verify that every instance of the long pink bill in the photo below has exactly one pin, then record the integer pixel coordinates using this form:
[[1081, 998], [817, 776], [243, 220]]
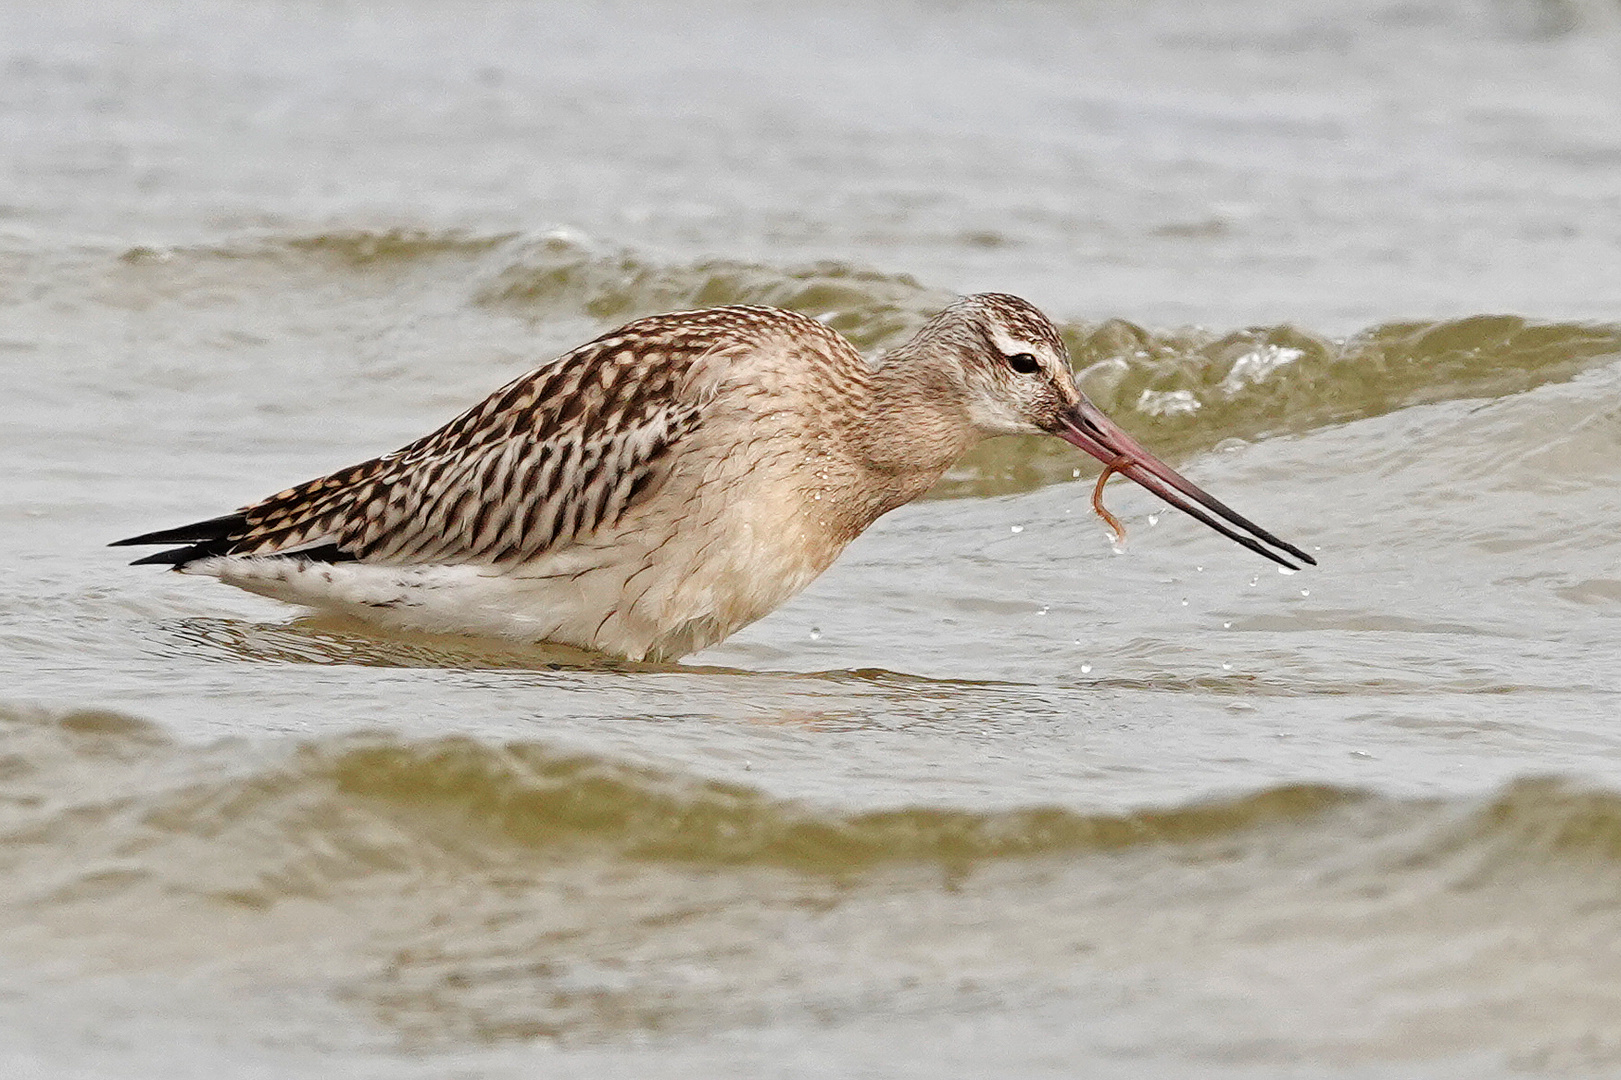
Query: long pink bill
[[1088, 428]]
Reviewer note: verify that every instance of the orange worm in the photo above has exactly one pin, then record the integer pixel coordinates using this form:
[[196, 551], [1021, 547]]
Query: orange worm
[[1117, 465]]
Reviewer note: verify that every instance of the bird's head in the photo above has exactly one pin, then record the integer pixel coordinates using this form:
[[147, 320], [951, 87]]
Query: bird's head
[[1009, 369], [1004, 361]]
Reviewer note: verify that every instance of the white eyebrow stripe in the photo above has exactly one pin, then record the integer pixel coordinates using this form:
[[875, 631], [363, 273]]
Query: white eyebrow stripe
[[1012, 345]]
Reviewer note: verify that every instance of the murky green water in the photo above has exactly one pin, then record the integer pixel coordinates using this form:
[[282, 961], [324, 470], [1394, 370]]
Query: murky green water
[[990, 799]]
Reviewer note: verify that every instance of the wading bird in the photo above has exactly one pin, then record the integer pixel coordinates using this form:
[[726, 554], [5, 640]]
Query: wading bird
[[656, 489]]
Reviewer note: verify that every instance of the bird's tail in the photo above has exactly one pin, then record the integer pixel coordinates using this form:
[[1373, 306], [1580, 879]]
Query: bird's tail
[[202, 539]]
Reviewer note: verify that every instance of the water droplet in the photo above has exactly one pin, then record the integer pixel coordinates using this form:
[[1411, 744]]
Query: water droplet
[[1287, 570], [816, 633], [1254, 581], [1226, 626], [1153, 519], [1225, 666], [1017, 529], [1305, 592], [1184, 601], [1043, 609], [1198, 569], [1075, 474], [1086, 669]]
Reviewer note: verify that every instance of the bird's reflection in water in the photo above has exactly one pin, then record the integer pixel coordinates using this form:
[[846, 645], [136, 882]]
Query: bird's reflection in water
[[334, 640]]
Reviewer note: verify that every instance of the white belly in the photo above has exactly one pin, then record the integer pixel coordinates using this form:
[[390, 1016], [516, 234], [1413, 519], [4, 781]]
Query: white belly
[[625, 595]]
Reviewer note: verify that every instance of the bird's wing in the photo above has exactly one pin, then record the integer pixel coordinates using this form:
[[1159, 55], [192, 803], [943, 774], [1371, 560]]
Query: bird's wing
[[545, 460]]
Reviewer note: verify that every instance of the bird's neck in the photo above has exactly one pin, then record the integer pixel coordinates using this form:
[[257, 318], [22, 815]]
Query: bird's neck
[[914, 428]]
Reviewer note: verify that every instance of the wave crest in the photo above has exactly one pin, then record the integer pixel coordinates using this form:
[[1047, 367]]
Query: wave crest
[[562, 276], [1186, 391]]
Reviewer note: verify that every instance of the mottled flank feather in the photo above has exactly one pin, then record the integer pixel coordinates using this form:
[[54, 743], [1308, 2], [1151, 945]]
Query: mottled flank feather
[[548, 459]]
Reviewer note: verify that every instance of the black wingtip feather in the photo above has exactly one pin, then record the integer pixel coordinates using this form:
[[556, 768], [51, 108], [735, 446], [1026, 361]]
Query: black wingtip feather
[[175, 556], [180, 556], [201, 539], [198, 532]]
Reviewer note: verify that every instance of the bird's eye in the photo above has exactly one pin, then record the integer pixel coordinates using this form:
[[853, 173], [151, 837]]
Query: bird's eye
[[1024, 363]]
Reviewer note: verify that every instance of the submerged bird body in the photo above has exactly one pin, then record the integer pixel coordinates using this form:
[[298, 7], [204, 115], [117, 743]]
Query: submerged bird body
[[656, 489]]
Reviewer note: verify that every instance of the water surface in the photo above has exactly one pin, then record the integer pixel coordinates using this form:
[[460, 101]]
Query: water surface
[[989, 799]]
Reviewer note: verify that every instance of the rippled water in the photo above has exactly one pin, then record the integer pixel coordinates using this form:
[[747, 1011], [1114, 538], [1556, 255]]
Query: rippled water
[[989, 799]]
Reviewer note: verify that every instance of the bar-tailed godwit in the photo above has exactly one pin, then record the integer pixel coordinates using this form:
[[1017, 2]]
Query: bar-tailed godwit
[[654, 490]]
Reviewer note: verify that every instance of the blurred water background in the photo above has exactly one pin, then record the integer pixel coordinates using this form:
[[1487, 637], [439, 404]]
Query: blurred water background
[[990, 799]]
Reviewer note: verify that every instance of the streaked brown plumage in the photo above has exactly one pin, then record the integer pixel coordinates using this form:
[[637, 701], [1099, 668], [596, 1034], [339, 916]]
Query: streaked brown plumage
[[673, 480]]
